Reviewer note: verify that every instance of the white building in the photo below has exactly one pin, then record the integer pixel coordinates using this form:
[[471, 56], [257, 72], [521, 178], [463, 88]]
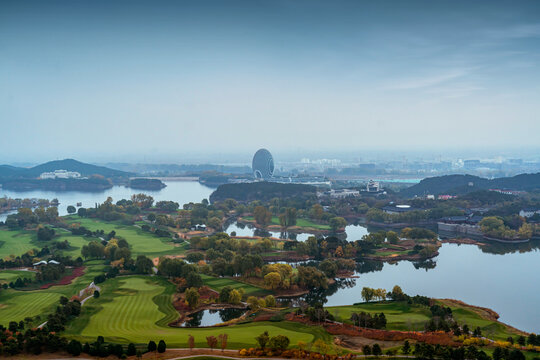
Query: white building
[[343, 193], [60, 174], [373, 186], [529, 212]]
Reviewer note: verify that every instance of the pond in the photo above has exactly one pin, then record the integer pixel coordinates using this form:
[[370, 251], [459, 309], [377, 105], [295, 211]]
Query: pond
[[353, 232], [212, 317]]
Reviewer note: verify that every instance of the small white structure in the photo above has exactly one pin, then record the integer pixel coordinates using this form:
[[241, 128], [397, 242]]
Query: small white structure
[[343, 193], [54, 262], [60, 174], [528, 212], [373, 186]]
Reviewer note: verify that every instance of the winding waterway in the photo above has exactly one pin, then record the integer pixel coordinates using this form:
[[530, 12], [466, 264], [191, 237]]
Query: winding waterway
[[505, 281]]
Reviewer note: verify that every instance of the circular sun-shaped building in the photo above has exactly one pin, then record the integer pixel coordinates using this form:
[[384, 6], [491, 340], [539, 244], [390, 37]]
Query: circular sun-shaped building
[[262, 164]]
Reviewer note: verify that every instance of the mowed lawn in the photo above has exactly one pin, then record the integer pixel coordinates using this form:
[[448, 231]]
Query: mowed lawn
[[399, 315], [15, 242], [18, 242], [15, 305], [138, 308], [217, 284], [7, 276], [491, 329], [141, 242]]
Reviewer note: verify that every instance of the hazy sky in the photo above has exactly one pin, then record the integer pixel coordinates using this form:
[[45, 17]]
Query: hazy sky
[[143, 79]]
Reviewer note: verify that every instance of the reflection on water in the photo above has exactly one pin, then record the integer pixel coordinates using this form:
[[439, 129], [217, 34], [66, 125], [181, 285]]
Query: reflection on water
[[352, 232], [212, 317], [504, 283], [182, 192]]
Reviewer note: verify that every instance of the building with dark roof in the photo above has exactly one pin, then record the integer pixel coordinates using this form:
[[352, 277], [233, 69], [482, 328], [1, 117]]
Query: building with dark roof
[[263, 165]]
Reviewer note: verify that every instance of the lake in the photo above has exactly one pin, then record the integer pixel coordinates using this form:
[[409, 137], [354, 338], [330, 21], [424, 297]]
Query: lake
[[182, 192], [503, 277], [507, 284]]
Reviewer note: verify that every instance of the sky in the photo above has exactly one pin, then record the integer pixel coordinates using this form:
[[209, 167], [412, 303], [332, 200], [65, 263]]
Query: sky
[[171, 80]]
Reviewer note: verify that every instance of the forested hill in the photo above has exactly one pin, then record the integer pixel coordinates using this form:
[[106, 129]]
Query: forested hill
[[84, 169], [263, 191], [461, 184]]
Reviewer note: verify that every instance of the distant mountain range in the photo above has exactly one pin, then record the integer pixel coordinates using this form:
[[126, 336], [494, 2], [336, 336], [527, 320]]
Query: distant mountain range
[[462, 184], [12, 172]]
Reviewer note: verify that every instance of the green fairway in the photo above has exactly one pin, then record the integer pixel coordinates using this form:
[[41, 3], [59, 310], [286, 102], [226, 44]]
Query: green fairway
[[15, 242], [15, 305], [137, 309], [141, 242], [7, 276], [491, 329], [219, 283], [399, 315]]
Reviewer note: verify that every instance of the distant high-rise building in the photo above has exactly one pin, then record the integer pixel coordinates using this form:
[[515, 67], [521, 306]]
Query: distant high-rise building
[[263, 164]]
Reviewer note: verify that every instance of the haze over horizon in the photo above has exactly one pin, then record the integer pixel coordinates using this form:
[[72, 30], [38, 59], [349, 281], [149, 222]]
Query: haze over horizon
[[136, 80]]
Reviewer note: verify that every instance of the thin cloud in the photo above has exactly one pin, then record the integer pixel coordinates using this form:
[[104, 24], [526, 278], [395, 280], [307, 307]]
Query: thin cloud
[[428, 80]]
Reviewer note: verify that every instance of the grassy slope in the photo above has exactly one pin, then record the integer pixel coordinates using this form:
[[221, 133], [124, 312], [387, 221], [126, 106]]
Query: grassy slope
[[6, 276], [136, 309], [219, 283], [491, 329], [15, 305], [399, 316], [141, 242], [15, 242]]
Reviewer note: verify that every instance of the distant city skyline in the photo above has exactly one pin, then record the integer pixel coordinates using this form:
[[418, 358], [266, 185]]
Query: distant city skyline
[[187, 81]]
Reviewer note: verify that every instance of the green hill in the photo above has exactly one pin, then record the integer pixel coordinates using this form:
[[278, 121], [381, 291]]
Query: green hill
[[462, 184]]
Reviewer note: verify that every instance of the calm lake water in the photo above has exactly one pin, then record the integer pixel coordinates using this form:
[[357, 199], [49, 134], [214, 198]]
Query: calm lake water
[[182, 192], [503, 278], [212, 317]]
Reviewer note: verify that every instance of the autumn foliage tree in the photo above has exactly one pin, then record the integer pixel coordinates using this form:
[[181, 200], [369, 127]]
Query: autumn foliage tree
[[223, 341], [212, 342], [191, 342]]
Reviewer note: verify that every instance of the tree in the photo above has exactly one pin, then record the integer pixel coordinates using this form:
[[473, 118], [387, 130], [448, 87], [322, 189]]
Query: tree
[[337, 223], [96, 294], [131, 349], [214, 223], [71, 209], [272, 280], [191, 342], [192, 297], [279, 342], [263, 339], [143, 265], [223, 341], [212, 342], [376, 349], [152, 346], [366, 349], [367, 294], [262, 216], [81, 212], [142, 200], [253, 303], [235, 297], [151, 217], [45, 233], [161, 346], [270, 301], [329, 268], [406, 348], [392, 237]]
